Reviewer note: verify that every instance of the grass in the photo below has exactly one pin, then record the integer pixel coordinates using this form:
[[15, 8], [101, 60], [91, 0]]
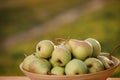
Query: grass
[[22, 17]]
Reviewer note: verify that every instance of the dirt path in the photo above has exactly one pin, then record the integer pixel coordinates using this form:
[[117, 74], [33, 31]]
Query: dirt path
[[64, 18]]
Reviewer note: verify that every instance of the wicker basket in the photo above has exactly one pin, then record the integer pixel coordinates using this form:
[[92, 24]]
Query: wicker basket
[[102, 75]]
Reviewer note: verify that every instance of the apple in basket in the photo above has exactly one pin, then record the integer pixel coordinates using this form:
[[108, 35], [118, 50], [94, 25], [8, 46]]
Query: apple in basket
[[68, 57]]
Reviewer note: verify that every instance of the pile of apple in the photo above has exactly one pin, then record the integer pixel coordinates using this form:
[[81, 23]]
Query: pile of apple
[[71, 57]]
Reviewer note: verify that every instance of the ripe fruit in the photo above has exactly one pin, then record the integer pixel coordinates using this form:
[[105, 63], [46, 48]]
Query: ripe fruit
[[108, 55], [96, 46], [75, 67], [81, 49], [60, 56], [94, 65], [67, 45], [70, 57], [27, 61], [41, 66], [107, 63], [57, 70], [44, 49], [36, 65]]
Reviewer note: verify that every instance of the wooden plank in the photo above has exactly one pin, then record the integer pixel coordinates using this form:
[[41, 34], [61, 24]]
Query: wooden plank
[[26, 78], [14, 78], [113, 79]]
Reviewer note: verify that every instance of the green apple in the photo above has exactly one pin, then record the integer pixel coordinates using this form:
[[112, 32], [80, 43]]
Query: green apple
[[57, 70], [107, 62], [41, 66], [67, 45], [106, 54], [60, 56], [44, 49], [27, 61], [96, 46], [81, 49], [75, 67], [94, 65], [36, 65]]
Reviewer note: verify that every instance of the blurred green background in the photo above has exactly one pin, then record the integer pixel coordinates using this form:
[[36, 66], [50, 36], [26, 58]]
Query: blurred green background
[[24, 23]]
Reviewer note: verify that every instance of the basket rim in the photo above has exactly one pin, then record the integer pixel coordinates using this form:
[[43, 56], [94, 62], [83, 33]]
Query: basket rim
[[116, 60]]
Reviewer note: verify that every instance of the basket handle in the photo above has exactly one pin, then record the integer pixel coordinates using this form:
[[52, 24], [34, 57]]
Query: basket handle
[[114, 49], [59, 40]]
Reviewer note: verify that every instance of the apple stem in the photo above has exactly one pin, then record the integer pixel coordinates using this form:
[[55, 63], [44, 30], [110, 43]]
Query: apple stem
[[114, 49], [25, 55]]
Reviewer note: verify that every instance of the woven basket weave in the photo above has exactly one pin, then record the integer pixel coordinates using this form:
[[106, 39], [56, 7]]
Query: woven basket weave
[[102, 75]]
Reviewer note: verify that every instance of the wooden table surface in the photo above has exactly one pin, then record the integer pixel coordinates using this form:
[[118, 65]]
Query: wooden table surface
[[26, 78]]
